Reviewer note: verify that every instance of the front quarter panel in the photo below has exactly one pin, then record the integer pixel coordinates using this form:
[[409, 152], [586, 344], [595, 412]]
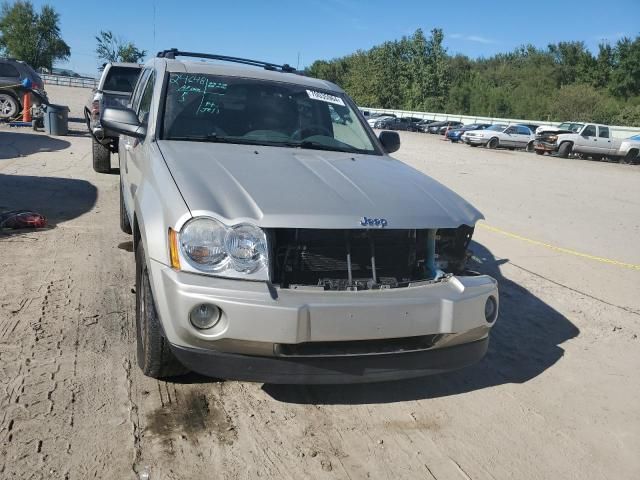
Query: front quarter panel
[[158, 206]]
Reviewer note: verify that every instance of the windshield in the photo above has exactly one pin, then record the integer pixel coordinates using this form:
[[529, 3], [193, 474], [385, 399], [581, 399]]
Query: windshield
[[574, 127], [213, 108], [496, 128]]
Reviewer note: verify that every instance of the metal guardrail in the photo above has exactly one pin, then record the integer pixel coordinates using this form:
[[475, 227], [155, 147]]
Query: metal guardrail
[[64, 81], [618, 130]]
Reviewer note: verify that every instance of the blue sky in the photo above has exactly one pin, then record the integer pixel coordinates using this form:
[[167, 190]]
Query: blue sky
[[278, 31]]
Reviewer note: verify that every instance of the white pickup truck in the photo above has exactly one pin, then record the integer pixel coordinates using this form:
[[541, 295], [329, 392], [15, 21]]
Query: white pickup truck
[[586, 139]]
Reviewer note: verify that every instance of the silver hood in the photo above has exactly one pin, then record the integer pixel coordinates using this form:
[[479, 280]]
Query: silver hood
[[297, 188]]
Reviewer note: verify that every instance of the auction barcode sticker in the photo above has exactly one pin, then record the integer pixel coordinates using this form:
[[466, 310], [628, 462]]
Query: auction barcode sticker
[[325, 97]]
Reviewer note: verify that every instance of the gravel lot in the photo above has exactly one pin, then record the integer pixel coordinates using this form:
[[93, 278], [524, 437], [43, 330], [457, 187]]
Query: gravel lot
[[556, 396]]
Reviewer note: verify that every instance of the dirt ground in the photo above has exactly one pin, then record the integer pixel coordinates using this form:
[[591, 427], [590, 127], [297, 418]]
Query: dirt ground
[[556, 396]]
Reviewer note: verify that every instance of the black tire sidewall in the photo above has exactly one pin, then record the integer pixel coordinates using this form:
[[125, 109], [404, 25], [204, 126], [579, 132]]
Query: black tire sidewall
[[15, 101], [101, 157], [141, 316], [153, 352]]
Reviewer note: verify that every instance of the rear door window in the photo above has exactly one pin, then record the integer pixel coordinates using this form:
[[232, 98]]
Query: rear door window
[[8, 70], [121, 79], [603, 132]]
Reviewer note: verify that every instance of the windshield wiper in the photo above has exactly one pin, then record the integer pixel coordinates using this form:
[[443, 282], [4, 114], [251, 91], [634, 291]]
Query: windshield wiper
[[311, 145], [306, 144], [214, 138]]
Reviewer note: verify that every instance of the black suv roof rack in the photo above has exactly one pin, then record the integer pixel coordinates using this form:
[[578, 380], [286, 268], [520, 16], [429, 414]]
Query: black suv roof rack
[[172, 53]]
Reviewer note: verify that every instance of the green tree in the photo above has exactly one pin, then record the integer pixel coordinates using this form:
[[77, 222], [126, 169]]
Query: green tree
[[112, 49], [574, 63], [564, 81], [30, 36], [583, 103], [625, 75]]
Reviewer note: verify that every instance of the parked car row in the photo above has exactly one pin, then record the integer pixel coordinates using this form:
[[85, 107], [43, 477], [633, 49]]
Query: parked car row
[[569, 139], [485, 134]]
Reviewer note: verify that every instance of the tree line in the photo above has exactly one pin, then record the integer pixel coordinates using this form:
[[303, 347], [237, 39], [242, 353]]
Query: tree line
[[564, 81]]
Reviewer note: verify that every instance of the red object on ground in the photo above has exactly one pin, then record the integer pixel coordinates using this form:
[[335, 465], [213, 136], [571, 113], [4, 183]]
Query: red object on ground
[[22, 219], [26, 107]]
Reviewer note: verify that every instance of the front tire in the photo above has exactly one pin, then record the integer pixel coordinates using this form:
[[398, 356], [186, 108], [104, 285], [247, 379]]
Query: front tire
[[539, 152], [493, 143], [565, 150], [155, 358], [101, 157]]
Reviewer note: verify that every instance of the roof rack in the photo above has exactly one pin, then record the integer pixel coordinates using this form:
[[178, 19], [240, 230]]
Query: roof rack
[[172, 53]]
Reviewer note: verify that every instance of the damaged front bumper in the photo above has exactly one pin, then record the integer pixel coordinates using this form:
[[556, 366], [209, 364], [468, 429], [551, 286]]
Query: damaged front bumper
[[280, 335], [544, 146]]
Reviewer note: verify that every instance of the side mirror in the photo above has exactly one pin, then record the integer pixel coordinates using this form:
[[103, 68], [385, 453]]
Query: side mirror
[[390, 141], [123, 121]]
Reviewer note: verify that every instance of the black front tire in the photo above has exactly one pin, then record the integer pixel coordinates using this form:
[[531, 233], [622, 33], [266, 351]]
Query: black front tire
[[101, 157], [565, 150], [154, 355], [539, 152], [493, 143], [125, 225]]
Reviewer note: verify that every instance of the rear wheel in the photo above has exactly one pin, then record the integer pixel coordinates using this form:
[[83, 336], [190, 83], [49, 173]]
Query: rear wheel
[[101, 157], [539, 152], [530, 147], [9, 106], [493, 143], [564, 150], [155, 358]]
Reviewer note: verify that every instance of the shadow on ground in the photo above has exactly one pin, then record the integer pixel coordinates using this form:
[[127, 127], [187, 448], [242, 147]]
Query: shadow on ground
[[524, 344], [14, 144], [58, 199]]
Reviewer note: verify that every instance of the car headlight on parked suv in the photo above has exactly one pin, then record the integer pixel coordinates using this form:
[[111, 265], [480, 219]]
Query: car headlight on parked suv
[[246, 245], [208, 246]]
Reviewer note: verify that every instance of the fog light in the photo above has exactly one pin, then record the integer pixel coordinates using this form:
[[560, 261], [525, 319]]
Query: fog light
[[491, 309], [204, 316]]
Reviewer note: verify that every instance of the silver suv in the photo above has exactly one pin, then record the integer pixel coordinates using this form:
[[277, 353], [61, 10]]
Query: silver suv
[[277, 241]]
